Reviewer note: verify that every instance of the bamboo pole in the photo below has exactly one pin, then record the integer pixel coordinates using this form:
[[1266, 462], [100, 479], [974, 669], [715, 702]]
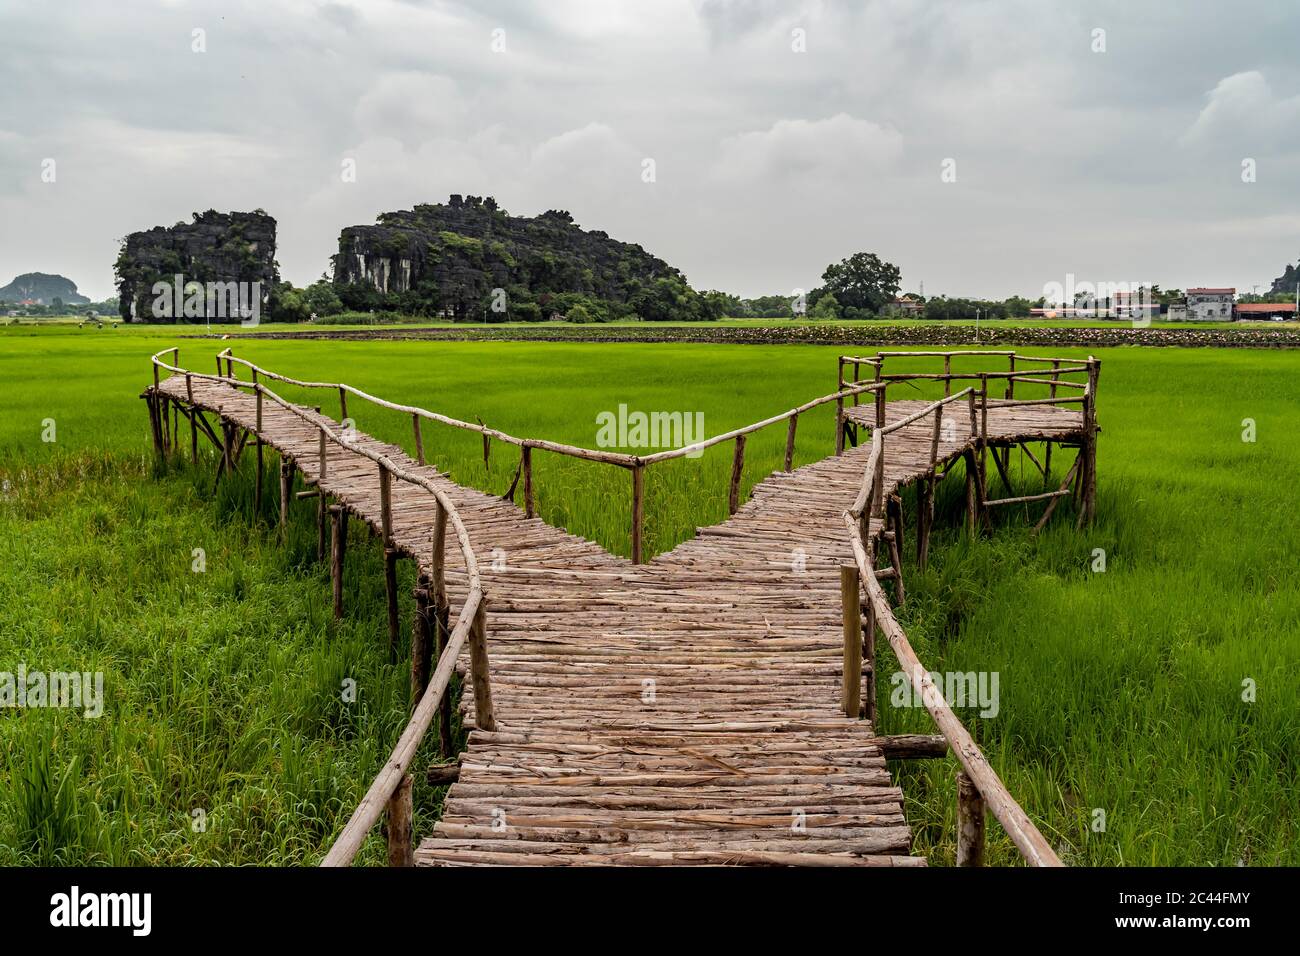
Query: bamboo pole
[[401, 851], [851, 611], [441, 619], [530, 508], [421, 643], [390, 559], [419, 438], [478, 653], [737, 469], [638, 511], [338, 550], [869, 659], [343, 406], [970, 822], [286, 489], [789, 441]]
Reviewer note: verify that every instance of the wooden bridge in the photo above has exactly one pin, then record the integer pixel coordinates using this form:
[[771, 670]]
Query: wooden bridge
[[713, 705]]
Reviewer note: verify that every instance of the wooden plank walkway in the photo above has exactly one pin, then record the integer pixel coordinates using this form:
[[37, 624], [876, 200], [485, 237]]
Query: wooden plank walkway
[[687, 710]]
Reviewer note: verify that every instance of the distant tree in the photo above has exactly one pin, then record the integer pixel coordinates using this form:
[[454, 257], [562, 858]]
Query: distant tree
[[57, 303], [862, 281], [321, 299], [827, 307]]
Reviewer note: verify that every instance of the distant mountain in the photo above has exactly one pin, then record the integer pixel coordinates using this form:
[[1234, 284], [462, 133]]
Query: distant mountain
[[42, 289], [1287, 281], [469, 258]]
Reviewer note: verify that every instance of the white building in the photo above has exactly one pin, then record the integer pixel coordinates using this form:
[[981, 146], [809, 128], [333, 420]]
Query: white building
[[1210, 305]]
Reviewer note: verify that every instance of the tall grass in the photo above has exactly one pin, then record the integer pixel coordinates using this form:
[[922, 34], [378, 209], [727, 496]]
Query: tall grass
[[1121, 690]]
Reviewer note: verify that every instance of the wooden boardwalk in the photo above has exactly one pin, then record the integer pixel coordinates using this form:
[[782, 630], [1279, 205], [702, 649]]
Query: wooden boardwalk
[[686, 710]]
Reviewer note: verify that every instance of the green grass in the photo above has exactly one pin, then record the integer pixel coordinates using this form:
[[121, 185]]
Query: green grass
[[1120, 691]]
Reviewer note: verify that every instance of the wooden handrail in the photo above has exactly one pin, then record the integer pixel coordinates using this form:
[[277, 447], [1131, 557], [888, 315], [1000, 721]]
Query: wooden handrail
[[978, 784], [470, 620]]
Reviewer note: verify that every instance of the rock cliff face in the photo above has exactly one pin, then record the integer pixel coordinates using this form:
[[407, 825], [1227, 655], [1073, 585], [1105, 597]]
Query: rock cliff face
[[450, 260], [42, 289], [216, 248]]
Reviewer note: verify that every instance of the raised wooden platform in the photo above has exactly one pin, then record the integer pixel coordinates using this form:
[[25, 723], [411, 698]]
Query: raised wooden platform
[[683, 711]]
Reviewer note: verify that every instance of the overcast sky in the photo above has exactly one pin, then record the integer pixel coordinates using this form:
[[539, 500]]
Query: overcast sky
[[784, 135]]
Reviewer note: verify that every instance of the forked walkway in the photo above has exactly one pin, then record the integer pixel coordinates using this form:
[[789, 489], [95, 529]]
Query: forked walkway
[[687, 710]]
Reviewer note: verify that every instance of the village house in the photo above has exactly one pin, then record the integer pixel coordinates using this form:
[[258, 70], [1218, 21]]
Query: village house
[[907, 305], [1210, 305]]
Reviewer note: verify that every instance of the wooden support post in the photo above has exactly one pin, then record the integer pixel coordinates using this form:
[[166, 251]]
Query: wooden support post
[[151, 402], [638, 510], [419, 438], [526, 455], [947, 375], [401, 850], [421, 642], [737, 469], [338, 550], [970, 822], [478, 659], [194, 436], [286, 490], [851, 610], [343, 406], [1011, 380], [839, 426], [878, 479], [857, 373], [972, 492], [895, 542], [323, 461], [390, 558], [869, 661], [789, 441], [441, 615]]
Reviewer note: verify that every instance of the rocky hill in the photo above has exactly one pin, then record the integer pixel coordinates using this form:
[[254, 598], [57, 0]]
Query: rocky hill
[[42, 289], [216, 247], [450, 260]]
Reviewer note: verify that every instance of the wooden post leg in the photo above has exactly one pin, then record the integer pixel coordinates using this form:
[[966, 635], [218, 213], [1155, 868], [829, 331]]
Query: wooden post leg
[[869, 659], [478, 659], [151, 400], [924, 520], [970, 822], [338, 549], [895, 510], [421, 644], [286, 491], [442, 630], [194, 436], [401, 851], [972, 498], [390, 594], [851, 611], [638, 511]]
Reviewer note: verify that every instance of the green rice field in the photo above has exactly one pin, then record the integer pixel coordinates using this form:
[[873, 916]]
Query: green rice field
[[1149, 712]]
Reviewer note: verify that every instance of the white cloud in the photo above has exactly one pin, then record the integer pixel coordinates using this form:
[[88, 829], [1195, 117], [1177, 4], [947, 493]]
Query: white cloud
[[1244, 114], [809, 151]]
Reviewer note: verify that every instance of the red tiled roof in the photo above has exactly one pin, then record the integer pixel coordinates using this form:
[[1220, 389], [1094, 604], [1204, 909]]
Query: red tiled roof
[[1265, 306], [1213, 291]]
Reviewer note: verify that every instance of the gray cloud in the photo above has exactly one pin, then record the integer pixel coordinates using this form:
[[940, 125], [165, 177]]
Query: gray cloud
[[770, 163]]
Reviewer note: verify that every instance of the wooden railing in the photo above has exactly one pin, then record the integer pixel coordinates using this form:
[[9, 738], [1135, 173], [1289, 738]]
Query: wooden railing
[[391, 789], [978, 786], [636, 464]]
